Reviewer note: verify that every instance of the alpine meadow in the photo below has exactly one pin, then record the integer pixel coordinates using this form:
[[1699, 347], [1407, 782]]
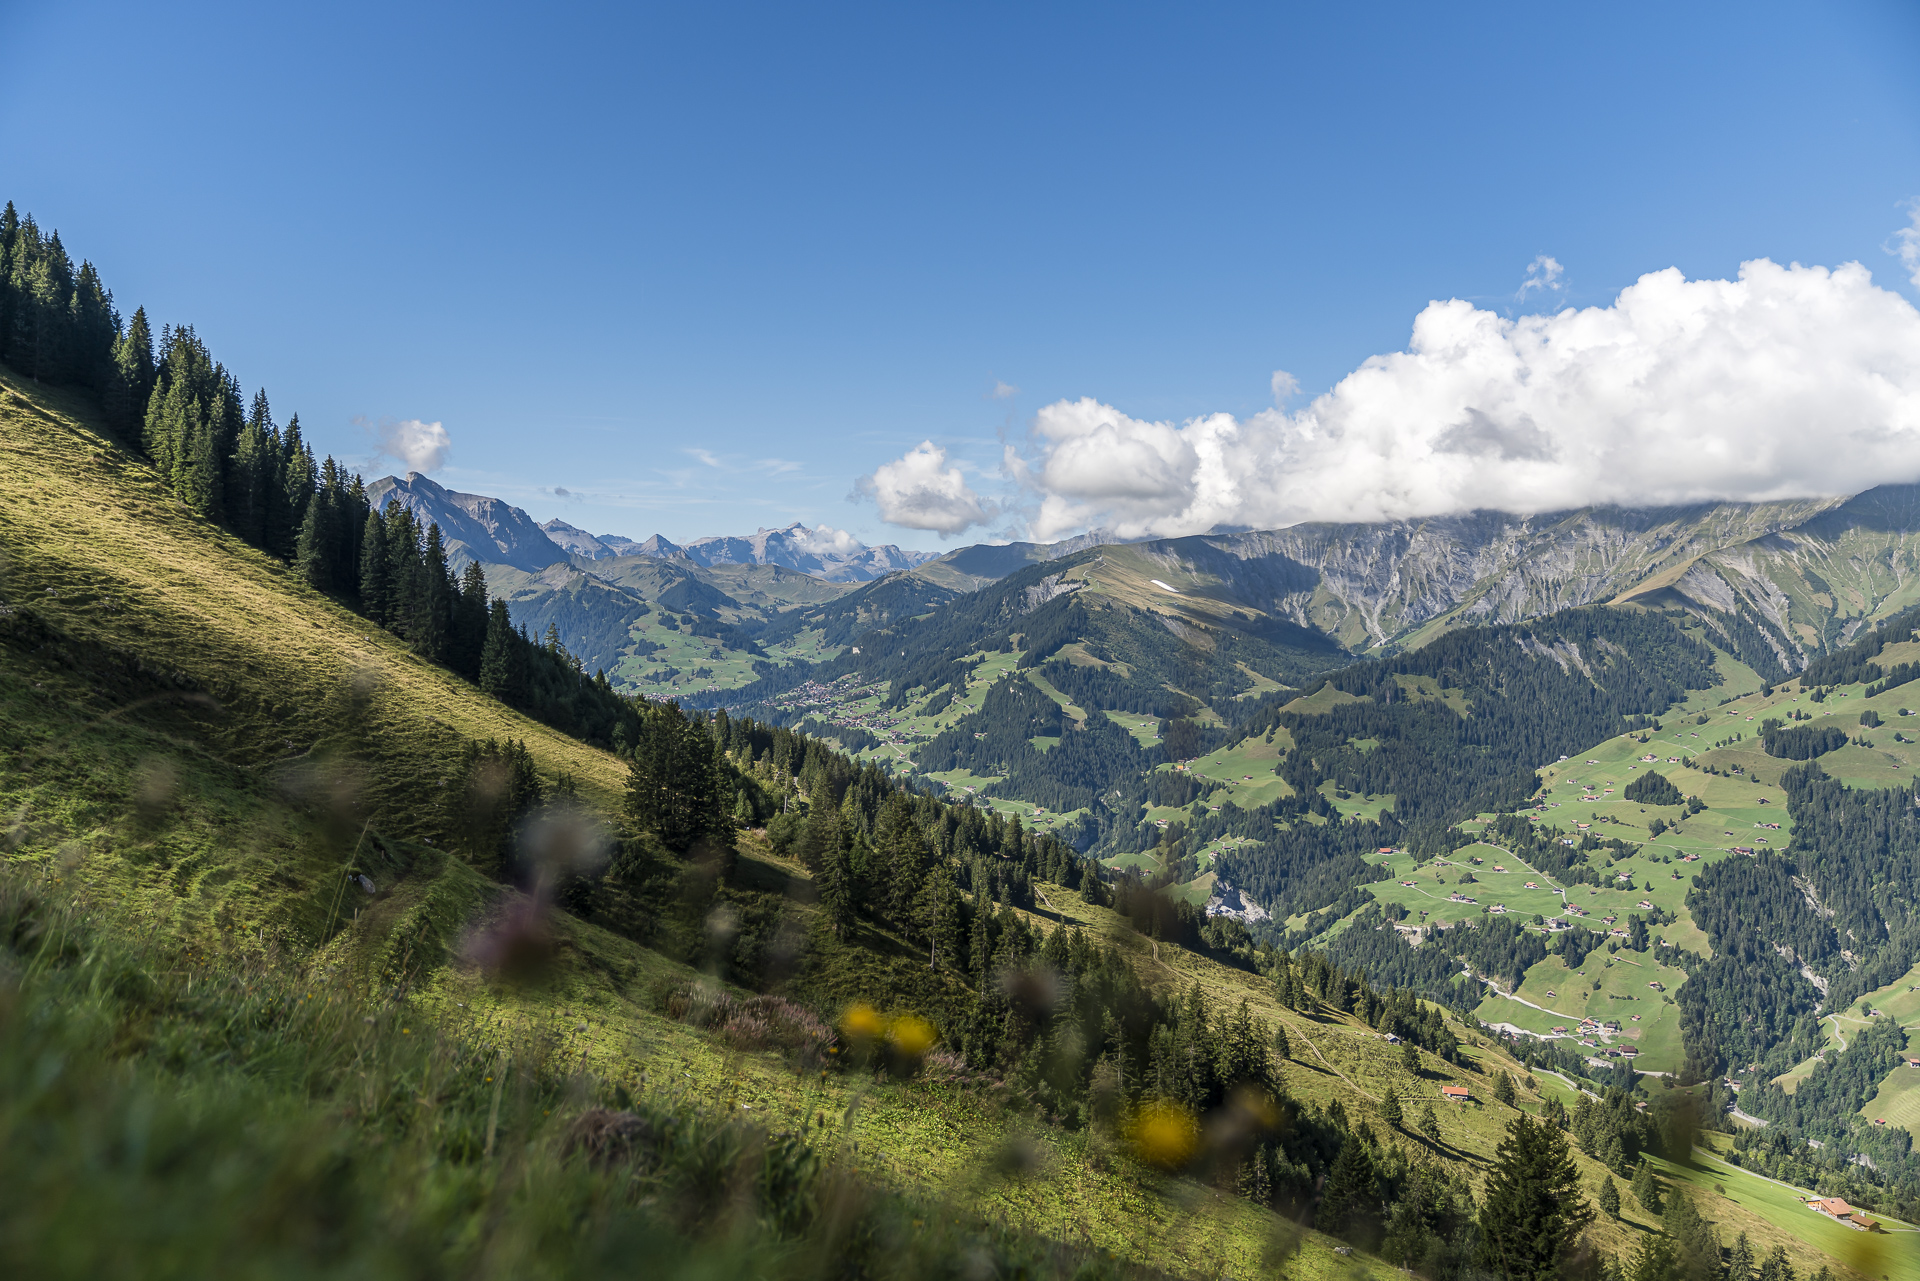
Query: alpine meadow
[[1128, 849]]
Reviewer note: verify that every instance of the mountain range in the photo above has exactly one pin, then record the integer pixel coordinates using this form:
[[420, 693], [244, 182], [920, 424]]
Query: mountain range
[[494, 532], [1781, 581]]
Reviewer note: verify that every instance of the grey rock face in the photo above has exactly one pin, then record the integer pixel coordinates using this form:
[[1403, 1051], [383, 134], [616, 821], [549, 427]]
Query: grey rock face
[[1810, 570], [473, 526], [579, 542]]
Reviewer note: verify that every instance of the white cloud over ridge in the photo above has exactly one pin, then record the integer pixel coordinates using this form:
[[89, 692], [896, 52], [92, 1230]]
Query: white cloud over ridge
[[825, 540], [1786, 382], [920, 491], [415, 445]]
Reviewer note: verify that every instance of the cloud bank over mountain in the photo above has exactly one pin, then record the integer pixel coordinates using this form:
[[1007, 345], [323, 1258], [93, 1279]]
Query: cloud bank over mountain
[[1788, 381]]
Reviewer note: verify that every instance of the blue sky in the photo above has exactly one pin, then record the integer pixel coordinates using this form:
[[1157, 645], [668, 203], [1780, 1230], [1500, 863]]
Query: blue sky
[[703, 267]]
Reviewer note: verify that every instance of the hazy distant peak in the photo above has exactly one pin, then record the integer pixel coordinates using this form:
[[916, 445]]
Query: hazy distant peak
[[822, 551], [592, 546]]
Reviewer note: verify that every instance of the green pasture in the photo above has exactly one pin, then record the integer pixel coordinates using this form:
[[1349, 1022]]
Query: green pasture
[[1810, 1239], [727, 668], [1621, 995]]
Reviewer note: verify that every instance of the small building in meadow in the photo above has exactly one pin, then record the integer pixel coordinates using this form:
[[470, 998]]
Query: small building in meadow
[[1456, 1093]]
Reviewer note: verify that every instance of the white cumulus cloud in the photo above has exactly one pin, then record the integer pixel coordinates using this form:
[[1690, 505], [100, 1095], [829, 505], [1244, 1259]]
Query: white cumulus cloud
[[1789, 381], [825, 540], [415, 445], [1543, 273], [1906, 244], [920, 491]]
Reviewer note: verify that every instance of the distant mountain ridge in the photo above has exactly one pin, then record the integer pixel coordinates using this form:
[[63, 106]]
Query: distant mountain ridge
[[833, 555], [1783, 581], [495, 532], [473, 526]]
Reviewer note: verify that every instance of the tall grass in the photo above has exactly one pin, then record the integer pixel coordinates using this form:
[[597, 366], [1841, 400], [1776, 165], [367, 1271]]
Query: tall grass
[[171, 1113]]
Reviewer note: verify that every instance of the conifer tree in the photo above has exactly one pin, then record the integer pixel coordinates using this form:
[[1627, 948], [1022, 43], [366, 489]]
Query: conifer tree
[[198, 473], [1646, 1189], [1696, 1244], [502, 665], [1777, 1266], [1430, 1122], [1503, 1088], [311, 552], [980, 943], [375, 569], [436, 619], [252, 475], [1350, 1203], [9, 236], [1410, 1057], [938, 916], [470, 623], [1739, 1259], [1610, 1199], [1280, 1044], [130, 381], [1532, 1211], [298, 477], [1390, 1109]]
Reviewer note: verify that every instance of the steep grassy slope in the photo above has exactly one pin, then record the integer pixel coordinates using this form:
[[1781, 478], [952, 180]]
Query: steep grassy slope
[[197, 750]]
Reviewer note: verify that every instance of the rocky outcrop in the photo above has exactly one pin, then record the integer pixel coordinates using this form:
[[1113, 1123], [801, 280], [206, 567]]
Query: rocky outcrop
[[1805, 572], [473, 526]]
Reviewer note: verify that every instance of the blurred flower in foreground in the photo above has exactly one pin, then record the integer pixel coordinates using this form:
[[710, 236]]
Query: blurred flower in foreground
[[911, 1036], [1163, 1134], [861, 1025], [517, 947]]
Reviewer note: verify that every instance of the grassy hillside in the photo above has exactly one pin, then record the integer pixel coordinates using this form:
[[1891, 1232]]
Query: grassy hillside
[[197, 748]]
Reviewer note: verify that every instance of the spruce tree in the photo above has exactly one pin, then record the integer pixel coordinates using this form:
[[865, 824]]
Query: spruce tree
[[1430, 1122], [198, 472], [1739, 1259], [1350, 1203], [1646, 1189], [1410, 1057], [250, 475], [1280, 1044], [310, 554], [1390, 1109], [130, 383], [9, 236], [94, 327], [1777, 1266], [470, 622], [1610, 1200], [501, 663], [1696, 1244], [937, 916], [436, 617], [374, 569], [1503, 1088], [1532, 1211], [298, 477]]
